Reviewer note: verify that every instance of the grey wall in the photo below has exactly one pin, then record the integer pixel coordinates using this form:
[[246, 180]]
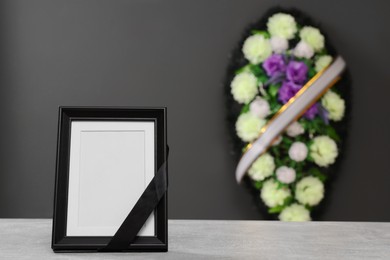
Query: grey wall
[[174, 53]]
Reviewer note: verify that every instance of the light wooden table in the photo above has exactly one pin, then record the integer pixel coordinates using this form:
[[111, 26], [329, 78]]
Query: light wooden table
[[208, 239]]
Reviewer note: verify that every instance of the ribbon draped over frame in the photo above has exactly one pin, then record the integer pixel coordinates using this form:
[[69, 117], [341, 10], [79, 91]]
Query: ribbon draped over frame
[[313, 90], [141, 211]]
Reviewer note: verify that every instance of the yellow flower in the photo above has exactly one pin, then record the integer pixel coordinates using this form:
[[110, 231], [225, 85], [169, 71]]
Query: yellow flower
[[322, 62], [244, 87], [313, 37], [334, 104], [282, 25], [256, 48], [262, 168], [323, 150], [309, 191], [248, 126], [295, 212], [272, 196]]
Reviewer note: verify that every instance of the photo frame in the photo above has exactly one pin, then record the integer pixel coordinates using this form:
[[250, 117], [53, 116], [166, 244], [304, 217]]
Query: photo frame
[[111, 167]]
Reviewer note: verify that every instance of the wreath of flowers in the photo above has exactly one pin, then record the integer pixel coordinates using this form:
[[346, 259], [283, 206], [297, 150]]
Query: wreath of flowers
[[278, 55]]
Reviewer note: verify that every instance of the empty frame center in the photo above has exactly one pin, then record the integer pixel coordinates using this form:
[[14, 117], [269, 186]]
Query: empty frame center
[[111, 164]]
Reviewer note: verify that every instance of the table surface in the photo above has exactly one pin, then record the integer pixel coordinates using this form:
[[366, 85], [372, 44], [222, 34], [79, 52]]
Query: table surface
[[215, 239]]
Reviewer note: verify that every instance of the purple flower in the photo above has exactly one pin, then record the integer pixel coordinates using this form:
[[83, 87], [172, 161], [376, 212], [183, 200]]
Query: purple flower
[[287, 91], [312, 111], [296, 71], [274, 65]]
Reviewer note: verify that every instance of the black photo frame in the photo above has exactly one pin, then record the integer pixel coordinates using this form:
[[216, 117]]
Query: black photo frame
[[79, 157]]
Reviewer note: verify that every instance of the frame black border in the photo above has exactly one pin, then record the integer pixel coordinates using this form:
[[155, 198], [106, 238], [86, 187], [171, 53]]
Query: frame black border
[[63, 243]]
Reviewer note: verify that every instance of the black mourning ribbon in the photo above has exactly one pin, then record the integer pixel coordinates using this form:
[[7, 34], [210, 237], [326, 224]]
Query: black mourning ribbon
[[141, 211]]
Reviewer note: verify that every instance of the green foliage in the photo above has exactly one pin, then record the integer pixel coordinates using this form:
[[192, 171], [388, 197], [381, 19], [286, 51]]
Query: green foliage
[[288, 201], [264, 33], [322, 52], [275, 107], [262, 78], [276, 209], [331, 132], [242, 69], [256, 70], [317, 173], [275, 152], [308, 62], [299, 166], [244, 109], [281, 185], [258, 184], [286, 140], [273, 90], [298, 176], [315, 126], [312, 72], [279, 208], [293, 164], [318, 126], [272, 93]]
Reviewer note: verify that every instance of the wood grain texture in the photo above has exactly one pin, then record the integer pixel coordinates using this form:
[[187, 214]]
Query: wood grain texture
[[213, 239]]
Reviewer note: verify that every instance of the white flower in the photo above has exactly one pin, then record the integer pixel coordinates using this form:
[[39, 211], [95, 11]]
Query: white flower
[[260, 107], [322, 62], [248, 126], [313, 37], [285, 174], [282, 25], [262, 168], [244, 87], [303, 50], [334, 104], [295, 212], [295, 129], [278, 44], [298, 151], [323, 150], [256, 48], [309, 191], [272, 196]]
